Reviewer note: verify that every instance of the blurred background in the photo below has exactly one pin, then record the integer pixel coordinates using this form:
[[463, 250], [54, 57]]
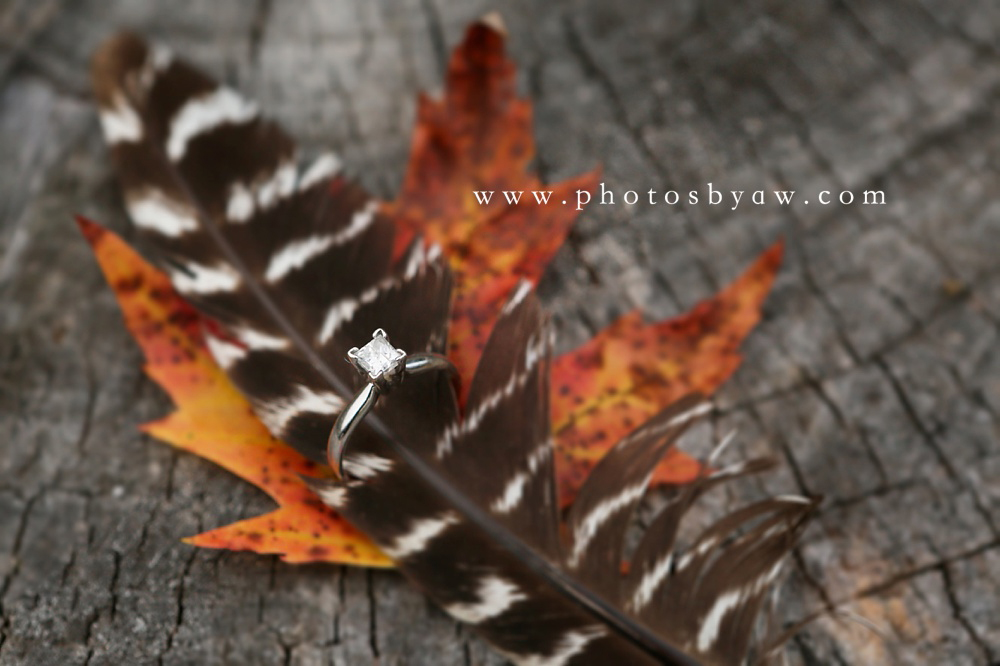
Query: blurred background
[[875, 375]]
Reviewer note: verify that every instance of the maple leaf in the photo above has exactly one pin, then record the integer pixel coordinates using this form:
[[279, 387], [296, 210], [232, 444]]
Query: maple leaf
[[215, 421], [478, 137]]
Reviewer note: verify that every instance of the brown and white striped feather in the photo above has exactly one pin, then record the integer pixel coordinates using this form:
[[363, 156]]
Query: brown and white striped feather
[[294, 267]]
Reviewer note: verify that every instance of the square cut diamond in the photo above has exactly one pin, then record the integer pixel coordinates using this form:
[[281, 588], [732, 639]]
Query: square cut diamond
[[377, 357]]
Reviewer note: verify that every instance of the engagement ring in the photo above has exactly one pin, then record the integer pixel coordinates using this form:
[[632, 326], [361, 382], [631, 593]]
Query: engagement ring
[[385, 367]]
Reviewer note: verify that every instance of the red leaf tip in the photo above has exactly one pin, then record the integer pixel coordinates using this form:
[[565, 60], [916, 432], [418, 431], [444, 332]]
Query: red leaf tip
[[774, 254], [91, 231]]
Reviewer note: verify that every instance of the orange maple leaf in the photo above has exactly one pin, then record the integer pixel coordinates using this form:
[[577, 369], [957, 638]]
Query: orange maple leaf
[[215, 421], [478, 138]]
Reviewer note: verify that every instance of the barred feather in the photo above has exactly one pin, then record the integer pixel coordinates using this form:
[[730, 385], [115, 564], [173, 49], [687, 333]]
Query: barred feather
[[294, 266]]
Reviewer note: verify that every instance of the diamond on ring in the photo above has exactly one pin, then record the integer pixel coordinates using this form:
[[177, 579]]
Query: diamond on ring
[[378, 358]]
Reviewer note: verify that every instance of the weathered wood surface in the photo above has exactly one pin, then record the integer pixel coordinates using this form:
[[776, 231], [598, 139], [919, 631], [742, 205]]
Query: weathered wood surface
[[876, 374]]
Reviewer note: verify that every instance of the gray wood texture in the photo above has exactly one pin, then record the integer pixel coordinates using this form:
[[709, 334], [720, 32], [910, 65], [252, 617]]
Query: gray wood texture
[[875, 376]]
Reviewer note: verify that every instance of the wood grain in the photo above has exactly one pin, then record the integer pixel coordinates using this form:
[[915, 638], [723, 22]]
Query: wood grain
[[876, 374]]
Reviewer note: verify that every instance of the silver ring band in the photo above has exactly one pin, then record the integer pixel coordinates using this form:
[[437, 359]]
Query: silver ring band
[[385, 367]]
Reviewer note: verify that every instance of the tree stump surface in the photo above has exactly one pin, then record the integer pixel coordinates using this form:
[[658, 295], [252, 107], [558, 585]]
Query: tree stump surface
[[875, 375]]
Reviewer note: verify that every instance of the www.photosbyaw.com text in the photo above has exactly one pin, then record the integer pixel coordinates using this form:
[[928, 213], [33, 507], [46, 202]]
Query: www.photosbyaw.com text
[[710, 195]]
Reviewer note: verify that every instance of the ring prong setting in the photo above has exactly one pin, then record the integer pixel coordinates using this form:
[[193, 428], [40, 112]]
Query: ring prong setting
[[379, 360]]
